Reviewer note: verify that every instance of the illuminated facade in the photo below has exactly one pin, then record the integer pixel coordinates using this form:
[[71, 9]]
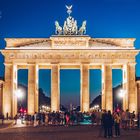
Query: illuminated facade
[[69, 50]]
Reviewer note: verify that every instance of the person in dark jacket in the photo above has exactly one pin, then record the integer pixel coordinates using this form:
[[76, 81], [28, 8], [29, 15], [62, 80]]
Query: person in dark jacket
[[43, 118], [104, 122], [110, 122]]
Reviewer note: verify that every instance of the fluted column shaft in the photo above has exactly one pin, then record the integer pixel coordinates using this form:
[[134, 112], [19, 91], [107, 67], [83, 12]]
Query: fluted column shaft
[[32, 89], [84, 88], [138, 92], [107, 100], [14, 89], [1, 97], [55, 91], [10, 87], [125, 86], [132, 94]]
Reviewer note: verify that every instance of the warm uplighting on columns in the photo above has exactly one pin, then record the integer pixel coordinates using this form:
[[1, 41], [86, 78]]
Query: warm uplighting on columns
[[84, 88], [55, 91], [107, 101], [14, 88], [125, 86]]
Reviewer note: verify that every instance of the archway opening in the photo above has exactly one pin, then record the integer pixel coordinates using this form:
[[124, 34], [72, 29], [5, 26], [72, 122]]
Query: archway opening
[[22, 89], [117, 87], [95, 87], [44, 90], [70, 89]]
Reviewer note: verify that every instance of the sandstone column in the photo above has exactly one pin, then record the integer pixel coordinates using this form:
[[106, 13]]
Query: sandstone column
[[107, 101], [10, 86], [32, 88], [138, 96], [103, 99], [132, 95], [55, 91], [125, 86], [84, 88], [14, 88], [1, 96], [36, 88]]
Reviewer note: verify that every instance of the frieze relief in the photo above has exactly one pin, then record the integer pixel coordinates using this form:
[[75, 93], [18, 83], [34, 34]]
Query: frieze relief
[[100, 45], [71, 55], [69, 43], [45, 44]]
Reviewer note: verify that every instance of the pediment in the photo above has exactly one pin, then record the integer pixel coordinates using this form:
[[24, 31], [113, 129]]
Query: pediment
[[71, 42]]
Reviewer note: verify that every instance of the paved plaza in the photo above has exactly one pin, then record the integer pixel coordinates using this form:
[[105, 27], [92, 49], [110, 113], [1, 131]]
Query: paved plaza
[[86, 132]]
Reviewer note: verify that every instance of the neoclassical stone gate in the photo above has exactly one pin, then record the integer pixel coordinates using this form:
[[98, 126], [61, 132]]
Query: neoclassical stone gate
[[69, 52], [69, 49]]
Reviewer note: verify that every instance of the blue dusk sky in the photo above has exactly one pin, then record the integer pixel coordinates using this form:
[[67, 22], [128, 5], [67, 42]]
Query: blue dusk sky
[[35, 19]]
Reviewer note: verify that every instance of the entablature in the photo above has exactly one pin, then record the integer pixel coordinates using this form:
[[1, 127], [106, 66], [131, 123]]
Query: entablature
[[69, 42], [72, 56]]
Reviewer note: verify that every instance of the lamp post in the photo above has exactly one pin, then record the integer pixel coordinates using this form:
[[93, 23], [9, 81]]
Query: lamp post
[[121, 95], [19, 95]]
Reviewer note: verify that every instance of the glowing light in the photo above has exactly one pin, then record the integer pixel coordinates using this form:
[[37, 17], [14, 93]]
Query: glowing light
[[121, 93], [25, 111], [19, 93], [21, 110], [44, 108]]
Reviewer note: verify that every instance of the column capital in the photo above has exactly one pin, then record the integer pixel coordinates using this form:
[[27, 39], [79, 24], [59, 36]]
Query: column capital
[[107, 65], [55, 63], [85, 63], [31, 63], [8, 64], [132, 64]]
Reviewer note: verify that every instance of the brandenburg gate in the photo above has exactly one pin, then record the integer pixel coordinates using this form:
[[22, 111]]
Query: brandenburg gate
[[69, 49]]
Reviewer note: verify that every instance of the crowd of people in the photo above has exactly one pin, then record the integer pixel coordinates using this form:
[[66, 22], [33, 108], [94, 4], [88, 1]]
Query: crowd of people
[[52, 118], [109, 122]]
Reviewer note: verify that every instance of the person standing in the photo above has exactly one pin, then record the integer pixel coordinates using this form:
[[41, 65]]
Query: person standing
[[101, 122], [127, 118], [104, 122], [32, 119], [7, 116], [46, 119], [93, 117], [35, 120], [2, 118], [110, 122], [15, 118], [43, 118], [67, 119], [123, 121], [117, 120]]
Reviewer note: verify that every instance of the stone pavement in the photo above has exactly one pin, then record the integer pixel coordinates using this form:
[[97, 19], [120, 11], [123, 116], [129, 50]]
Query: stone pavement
[[6, 124], [62, 133]]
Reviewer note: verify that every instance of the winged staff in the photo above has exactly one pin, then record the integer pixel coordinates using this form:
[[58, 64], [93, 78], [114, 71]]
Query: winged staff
[[69, 11], [70, 25], [69, 7]]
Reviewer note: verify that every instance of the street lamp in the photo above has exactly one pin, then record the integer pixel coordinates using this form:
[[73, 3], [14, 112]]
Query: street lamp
[[121, 101], [19, 94], [121, 93]]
